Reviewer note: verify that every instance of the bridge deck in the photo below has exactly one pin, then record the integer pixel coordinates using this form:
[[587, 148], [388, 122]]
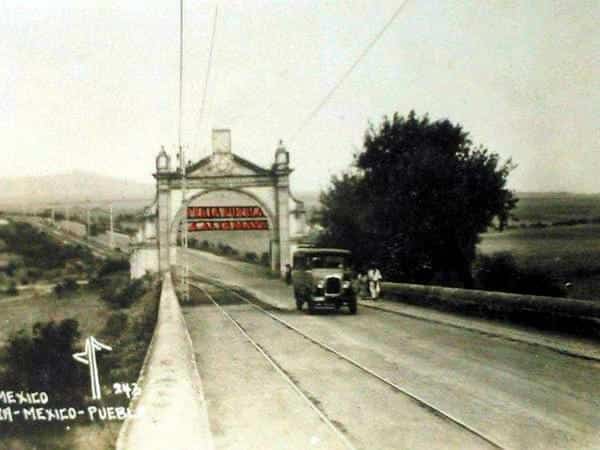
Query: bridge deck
[[517, 394]]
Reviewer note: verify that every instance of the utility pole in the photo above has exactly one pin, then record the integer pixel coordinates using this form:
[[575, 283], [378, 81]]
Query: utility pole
[[88, 222], [184, 235], [185, 287], [112, 236]]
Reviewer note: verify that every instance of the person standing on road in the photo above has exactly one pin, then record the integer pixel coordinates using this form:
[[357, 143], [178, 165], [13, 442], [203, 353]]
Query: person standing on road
[[363, 284], [374, 277]]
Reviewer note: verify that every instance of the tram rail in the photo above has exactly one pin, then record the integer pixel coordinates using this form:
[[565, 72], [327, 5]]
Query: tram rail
[[433, 409]]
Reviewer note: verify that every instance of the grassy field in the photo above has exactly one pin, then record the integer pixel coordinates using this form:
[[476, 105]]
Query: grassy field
[[23, 312], [567, 253], [556, 207]]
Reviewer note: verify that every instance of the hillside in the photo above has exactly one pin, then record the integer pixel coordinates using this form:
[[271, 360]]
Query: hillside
[[72, 187]]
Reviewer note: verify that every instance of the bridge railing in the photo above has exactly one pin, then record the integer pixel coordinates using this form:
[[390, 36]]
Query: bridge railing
[[171, 411], [487, 301]]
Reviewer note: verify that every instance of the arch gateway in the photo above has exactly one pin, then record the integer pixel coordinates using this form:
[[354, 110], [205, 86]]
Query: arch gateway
[[229, 201]]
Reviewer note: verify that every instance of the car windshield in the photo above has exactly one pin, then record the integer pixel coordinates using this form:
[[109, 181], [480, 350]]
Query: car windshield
[[328, 262]]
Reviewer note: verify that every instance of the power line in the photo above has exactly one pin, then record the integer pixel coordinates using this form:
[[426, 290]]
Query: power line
[[346, 74], [208, 68], [180, 71]]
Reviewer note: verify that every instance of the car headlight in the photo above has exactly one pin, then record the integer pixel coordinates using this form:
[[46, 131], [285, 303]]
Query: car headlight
[[321, 284], [346, 284]]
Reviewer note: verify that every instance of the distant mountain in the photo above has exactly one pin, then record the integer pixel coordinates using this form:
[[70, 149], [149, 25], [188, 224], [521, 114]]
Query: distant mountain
[[73, 187]]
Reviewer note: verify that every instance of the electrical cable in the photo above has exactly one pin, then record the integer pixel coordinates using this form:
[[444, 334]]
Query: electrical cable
[[347, 73], [180, 72], [208, 69]]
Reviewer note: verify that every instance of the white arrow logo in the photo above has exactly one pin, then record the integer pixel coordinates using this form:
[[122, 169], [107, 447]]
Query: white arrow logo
[[88, 357]]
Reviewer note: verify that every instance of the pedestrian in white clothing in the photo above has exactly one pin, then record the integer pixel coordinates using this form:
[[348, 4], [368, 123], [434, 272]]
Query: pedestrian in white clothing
[[374, 277]]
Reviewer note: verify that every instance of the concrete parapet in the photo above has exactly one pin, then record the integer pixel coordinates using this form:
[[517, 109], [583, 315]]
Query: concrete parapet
[[171, 411], [493, 301], [143, 258]]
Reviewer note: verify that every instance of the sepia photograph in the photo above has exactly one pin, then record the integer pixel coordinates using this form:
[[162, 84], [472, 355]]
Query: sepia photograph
[[300, 225]]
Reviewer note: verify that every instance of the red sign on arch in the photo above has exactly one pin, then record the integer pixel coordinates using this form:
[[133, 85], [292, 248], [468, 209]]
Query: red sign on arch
[[225, 212], [229, 225], [226, 218]]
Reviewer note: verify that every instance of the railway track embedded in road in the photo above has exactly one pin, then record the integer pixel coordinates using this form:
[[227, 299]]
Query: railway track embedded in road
[[414, 397]]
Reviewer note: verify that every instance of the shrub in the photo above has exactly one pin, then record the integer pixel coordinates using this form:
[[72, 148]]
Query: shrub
[[11, 268], [126, 359], [251, 257], [43, 362], [65, 287], [497, 272], [34, 274], [115, 324], [265, 260], [111, 266], [12, 289], [226, 250], [538, 225], [536, 282], [120, 292]]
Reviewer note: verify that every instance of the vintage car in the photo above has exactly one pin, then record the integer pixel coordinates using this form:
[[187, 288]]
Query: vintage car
[[323, 276]]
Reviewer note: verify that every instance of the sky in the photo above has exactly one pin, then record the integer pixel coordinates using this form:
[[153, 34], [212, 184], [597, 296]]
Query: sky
[[93, 85]]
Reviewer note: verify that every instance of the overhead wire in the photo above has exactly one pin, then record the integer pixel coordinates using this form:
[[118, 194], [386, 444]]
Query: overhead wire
[[207, 77], [349, 71], [180, 74]]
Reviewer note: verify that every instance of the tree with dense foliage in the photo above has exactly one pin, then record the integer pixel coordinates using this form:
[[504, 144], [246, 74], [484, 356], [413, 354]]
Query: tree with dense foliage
[[42, 361], [416, 199]]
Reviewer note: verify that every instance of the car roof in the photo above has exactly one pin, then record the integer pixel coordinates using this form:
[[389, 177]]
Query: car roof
[[318, 251]]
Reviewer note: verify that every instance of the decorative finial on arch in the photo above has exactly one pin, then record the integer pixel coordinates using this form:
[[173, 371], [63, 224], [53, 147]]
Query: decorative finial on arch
[[282, 156], [163, 160]]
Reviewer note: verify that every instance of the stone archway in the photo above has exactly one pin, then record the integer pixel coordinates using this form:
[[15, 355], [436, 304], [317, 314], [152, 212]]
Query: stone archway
[[224, 171]]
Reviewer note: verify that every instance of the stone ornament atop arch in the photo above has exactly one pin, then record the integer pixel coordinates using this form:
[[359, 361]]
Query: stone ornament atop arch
[[221, 163]]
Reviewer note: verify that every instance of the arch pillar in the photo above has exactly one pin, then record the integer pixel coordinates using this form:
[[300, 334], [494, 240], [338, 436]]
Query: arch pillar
[[163, 219], [282, 256]]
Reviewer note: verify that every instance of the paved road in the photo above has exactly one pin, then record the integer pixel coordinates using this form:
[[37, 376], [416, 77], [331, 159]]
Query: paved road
[[519, 395]]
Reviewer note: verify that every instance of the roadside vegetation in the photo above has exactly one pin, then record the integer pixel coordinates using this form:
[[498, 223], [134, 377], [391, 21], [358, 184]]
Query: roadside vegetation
[[29, 255], [222, 249], [41, 332]]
